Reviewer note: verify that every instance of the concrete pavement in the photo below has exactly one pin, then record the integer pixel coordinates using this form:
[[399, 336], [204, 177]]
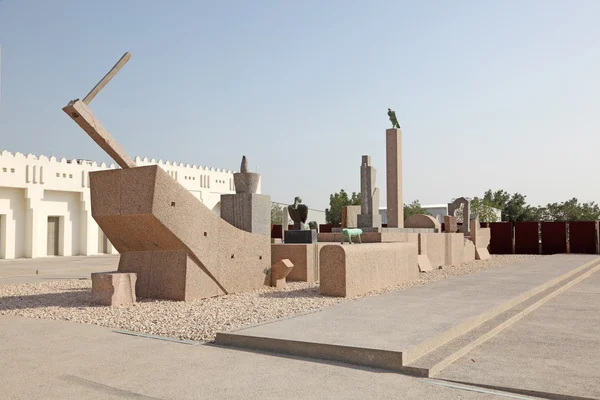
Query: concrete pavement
[[43, 359], [391, 330], [52, 268], [554, 351]]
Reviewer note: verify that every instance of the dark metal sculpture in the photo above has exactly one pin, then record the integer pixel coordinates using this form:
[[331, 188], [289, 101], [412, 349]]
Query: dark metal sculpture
[[298, 213], [393, 119]]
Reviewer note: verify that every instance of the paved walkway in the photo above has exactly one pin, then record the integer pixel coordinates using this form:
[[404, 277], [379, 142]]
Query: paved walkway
[[555, 350], [52, 268], [404, 322], [61, 360]]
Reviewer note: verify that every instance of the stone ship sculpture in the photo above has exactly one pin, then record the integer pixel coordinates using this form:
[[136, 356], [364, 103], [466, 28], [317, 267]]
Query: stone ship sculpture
[[179, 248]]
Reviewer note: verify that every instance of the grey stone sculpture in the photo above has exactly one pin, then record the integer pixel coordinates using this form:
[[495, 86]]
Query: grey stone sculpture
[[298, 213], [244, 181], [393, 119]]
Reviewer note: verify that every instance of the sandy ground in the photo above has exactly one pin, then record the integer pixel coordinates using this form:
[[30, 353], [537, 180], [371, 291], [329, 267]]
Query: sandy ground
[[197, 320]]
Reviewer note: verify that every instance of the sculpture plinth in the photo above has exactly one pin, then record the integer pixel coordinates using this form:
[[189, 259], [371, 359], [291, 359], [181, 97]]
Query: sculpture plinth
[[247, 210], [393, 160], [302, 236]]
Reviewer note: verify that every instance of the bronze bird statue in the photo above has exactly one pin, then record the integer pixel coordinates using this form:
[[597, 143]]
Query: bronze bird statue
[[393, 119]]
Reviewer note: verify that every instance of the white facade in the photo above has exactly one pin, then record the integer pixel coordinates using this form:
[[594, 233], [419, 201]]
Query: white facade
[[45, 204]]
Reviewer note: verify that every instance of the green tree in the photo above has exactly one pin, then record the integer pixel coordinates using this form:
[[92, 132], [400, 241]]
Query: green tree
[[572, 210], [413, 209], [333, 214], [485, 211], [276, 214]]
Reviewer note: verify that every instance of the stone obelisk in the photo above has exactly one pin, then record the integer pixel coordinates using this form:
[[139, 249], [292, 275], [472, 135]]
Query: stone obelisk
[[393, 160], [369, 216]]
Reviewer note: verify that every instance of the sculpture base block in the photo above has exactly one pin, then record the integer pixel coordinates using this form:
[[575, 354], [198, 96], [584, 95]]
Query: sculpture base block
[[304, 256], [308, 236], [249, 212]]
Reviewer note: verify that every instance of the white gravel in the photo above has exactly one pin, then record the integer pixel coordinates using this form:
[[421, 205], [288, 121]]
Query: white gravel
[[197, 320]]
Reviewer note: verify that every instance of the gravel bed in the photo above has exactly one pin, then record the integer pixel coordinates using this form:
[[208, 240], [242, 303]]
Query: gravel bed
[[197, 320]]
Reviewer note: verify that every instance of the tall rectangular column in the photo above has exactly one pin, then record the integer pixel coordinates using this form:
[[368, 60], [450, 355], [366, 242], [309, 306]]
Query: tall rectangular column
[[393, 155], [369, 216]]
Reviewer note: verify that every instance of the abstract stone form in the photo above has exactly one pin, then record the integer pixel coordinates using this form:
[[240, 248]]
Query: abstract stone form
[[313, 226], [304, 256], [113, 288], [369, 216], [454, 208], [279, 271], [179, 248]]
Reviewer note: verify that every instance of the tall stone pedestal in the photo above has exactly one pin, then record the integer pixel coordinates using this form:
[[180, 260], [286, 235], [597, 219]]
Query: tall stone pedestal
[[247, 211], [393, 160]]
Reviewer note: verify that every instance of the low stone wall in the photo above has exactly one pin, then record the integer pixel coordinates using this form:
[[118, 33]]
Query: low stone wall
[[305, 258], [445, 249], [351, 270]]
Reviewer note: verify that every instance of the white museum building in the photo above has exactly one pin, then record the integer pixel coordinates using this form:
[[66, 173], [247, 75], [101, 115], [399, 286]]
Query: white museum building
[[45, 207]]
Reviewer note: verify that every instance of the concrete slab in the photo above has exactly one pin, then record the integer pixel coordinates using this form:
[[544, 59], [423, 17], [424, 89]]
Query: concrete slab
[[553, 351], [393, 329], [44, 359], [23, 270]]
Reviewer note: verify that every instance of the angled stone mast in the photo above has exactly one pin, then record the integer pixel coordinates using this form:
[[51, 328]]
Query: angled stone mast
[[79, 111], [179, 249]]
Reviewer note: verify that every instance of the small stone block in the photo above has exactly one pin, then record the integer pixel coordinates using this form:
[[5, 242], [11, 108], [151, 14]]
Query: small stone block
[[481, 253], [113, 288], [424, 264], [279, 271], [306, 236], [450, 225]]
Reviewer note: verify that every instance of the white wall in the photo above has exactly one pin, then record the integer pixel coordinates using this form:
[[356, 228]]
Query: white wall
[[33, 188], [12, 224]]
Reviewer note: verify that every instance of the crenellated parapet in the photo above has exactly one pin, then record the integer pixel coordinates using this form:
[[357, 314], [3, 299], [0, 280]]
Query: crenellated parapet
[[20, 170]]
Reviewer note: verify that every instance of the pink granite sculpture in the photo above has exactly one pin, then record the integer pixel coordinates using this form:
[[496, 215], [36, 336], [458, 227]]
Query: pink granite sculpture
[[179, 248]]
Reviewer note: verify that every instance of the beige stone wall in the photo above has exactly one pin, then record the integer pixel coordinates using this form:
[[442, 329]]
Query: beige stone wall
[[445, 249]]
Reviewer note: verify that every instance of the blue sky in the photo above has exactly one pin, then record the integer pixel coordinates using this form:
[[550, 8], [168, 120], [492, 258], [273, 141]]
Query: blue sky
[[489, 94]]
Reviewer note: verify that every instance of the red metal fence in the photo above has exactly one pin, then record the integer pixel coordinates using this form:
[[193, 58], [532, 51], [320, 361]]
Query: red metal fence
[[554, 237], [527, 238], [545, 237], [583, 237], [501, 238]]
